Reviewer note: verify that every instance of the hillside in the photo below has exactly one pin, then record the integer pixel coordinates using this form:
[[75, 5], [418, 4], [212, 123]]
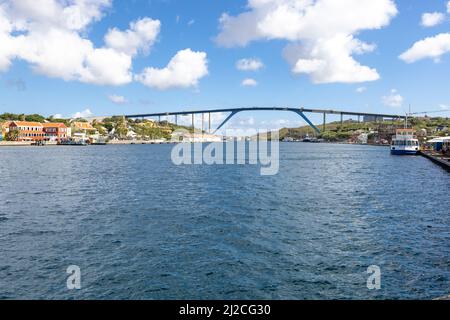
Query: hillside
[[335, 131]]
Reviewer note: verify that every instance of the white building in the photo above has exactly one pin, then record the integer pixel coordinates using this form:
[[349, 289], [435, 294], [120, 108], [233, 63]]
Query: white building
[[195, 137]]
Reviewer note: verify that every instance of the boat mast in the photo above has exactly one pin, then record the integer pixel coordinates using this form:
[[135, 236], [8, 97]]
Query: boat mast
[[407, 116]]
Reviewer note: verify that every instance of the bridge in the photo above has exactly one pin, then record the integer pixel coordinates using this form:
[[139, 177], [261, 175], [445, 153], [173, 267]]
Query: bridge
[[300, 111]]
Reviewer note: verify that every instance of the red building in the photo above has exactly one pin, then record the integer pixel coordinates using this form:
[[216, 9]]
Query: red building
[[28, 131], [55, 132], [36, 131]]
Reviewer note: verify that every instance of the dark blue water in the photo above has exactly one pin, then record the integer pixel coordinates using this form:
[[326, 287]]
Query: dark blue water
[[140, 227]]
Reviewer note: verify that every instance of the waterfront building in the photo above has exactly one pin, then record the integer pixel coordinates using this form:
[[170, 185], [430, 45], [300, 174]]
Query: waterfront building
[[437, 144], [84, 127], [28, 131], [80, 137], [131, 134], [5, 129], [195, 137], [441, 129], [55, 132]]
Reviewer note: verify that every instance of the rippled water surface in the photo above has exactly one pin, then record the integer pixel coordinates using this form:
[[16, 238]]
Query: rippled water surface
[[140, 227]]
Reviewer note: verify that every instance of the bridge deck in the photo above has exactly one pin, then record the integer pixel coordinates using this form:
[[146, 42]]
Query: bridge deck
[[321, 111]]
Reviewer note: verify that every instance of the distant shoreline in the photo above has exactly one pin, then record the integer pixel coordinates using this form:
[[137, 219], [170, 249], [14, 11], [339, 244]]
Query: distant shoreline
[[129, 142]]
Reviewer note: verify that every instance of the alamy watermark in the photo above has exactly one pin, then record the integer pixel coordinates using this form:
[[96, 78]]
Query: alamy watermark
[[259, 148], [374, 280], [74, 279]]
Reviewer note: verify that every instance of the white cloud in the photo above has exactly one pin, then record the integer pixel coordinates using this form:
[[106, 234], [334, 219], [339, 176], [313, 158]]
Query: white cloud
[[141, 36], [444, 106], [246, 121], [249, 64], [277, 124], [322, 33], [432, 47], [184, 70], [191, 22], [117, 99], [448, 7], [83, 114], [50, 39], [432, 19], [394, 99], [74, 15], [50, 35], [330, 61], [249, 82], [361, 89], [58, 116], [107, 66]]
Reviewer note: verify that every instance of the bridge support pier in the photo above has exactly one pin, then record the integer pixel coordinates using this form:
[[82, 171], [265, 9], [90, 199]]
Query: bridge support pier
[[193, 124], [226, 120], [203, 123], [301, 114], [324, 127]]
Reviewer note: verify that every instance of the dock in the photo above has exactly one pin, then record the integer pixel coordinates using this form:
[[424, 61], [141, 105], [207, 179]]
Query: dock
[[437, 158]]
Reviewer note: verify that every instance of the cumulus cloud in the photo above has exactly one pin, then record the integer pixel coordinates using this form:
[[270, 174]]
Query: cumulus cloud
[[249, 82], [432, 47], [252, 64], [50, 36], [117, 99], [82, 114], [361, 89], [448, 7], [322, 34], [246, 121], [141, 35], [432, 19], [184, 70], [394, 99]]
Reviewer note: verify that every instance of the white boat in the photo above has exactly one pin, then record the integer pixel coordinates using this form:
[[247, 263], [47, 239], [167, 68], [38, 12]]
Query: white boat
[[405, 143]]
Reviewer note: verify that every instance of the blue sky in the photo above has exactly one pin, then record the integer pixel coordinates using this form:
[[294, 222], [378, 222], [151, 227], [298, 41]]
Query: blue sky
[[194, 24]]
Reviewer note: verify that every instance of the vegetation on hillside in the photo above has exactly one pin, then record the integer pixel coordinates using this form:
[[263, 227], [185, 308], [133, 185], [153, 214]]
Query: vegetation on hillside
[[146, 129], [336, 131]]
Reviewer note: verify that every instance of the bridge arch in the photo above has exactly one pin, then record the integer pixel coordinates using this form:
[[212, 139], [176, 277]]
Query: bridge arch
[[297, 111], [300, 111]]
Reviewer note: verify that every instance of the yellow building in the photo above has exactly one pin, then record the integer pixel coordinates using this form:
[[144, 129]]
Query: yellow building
[[5, 129]]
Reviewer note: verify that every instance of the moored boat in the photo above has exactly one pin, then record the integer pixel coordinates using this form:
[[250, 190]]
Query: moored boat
[[73, 143], [405, 143]]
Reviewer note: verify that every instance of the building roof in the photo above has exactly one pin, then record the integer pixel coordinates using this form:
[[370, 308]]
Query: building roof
[[6, 124], [27, 124], [83, 125], [53, 125]]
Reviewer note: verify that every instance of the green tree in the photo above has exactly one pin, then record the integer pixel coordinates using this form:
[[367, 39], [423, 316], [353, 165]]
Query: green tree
[[79, 120], [329, 136], [56, 120], [34, 118], [12, 135]]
